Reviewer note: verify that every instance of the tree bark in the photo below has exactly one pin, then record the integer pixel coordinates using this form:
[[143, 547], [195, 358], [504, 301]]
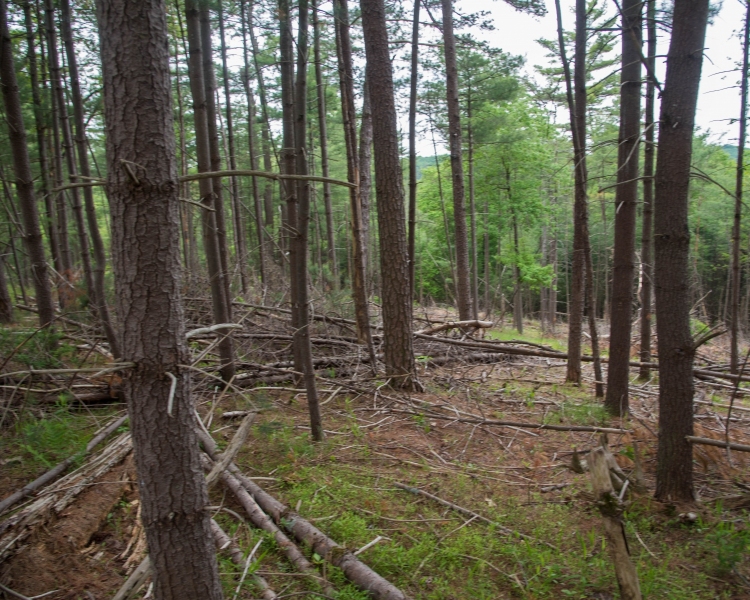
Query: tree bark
[[99, 297], [209, 82], [736, 231], [6, 304], [674, 471], [348, 111], [463, 288], [647, 267], [321, 97], [240, 243], [414, 79], [32, 234], [365, 177], [626, 197], [300, 273], [145, 240], [219, 300], [264, 243], [577, 109], [394, 266], [39, 122]]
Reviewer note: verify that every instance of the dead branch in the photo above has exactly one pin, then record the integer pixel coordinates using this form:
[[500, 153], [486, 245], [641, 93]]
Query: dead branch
[[712, 442], [472, 324], [60, 468]]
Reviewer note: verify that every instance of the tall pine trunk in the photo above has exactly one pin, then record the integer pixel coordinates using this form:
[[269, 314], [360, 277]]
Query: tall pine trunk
[[394, 266], [22, 169], [649, 152], [463, 288], [736, 232], [146, 259], [626, 196], [674, 470]]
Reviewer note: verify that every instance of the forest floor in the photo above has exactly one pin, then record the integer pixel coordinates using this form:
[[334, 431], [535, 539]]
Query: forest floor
[[439, 441]]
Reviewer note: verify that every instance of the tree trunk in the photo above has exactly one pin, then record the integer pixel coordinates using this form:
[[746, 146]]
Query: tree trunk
[[264, 242], [472, 214], [647, 268], [348, 111], [39, 122], [577, 109], [321, 97], [736, 232], [365, 178], [219, 300], [22, 169], [239, 223], [69, 151], [209, 82], [99, 296], [146, 253], [674, 471], [268, 208], [394, 265], [299, 276], [414, 78], [517, 295], [626, 197], [6, 304], [463, 289]]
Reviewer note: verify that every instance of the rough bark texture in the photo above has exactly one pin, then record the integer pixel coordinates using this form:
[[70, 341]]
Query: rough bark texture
[[145, 241], [576, 96], [348, 111], [626, 196], [414, 78], [394, 266], [299, 274], [6, 304], [99, 267], [736, 231], [32, 234], [674, 471], [219, 300], [463, 289], [40, 123], [647, 267]]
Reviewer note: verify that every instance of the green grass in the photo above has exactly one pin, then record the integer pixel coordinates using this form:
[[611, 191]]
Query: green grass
[[431, 557]]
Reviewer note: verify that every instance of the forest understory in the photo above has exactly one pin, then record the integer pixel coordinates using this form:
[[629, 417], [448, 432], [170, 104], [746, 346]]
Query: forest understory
[[521, 519]]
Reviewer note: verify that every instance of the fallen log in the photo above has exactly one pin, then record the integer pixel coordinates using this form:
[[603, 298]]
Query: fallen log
[[519, 424], [472, 324], [720, 443], [54, 472], [223, 542], [354, 570]]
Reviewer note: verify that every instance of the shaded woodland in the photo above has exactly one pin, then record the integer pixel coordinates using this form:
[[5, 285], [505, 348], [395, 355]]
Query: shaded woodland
[[349, 285]]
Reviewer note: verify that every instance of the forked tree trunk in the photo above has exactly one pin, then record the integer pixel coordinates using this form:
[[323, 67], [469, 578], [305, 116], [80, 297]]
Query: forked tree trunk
[[674, 470], [394, 267], [99, 297], [219, 299], [299, 272], [146, 259], [626, 196], [463, 289], [22, 170], [736, 232], [647, 266]]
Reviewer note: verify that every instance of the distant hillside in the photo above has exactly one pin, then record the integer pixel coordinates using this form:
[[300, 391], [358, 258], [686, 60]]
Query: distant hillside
[[730, 150], [427, 161]]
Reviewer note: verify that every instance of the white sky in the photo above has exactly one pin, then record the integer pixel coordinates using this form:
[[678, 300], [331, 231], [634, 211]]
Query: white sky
[[516, 33]]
